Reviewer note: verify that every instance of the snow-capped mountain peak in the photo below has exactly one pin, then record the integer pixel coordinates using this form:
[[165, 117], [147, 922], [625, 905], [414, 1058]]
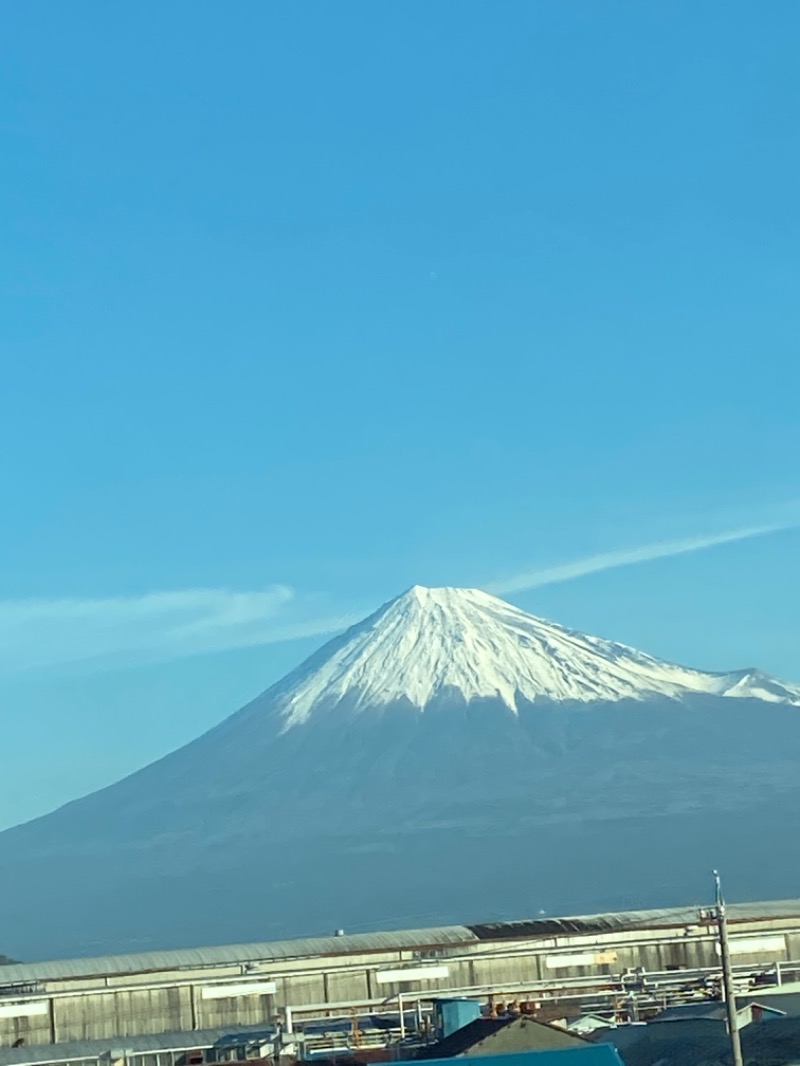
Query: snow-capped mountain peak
[[424, 740], [435, 644]]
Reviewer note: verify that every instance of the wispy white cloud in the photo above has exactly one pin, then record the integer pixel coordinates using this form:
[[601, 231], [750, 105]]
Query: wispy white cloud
[[159, 626], [154, 626], [645, 553]]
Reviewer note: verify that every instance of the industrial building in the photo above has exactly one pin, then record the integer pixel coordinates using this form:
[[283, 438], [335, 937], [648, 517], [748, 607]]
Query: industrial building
[[660, 956]]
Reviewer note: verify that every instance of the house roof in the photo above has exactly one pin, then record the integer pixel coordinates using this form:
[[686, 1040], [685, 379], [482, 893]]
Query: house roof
[[775, 1043], [495, 1036], [586, 1055], [713, 1010], [465, 1037], [786, 1002]]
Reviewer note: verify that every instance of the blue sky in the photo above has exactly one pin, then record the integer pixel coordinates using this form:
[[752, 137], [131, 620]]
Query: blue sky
[[306, 303]]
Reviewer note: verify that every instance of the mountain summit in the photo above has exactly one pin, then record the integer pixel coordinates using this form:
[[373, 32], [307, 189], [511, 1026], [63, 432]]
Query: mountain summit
[[435, 645]]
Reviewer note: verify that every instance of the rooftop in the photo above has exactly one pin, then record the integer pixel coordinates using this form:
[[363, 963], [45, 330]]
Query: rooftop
[[490, 1036], [45, 1054], [363, 943], [588, 1055]]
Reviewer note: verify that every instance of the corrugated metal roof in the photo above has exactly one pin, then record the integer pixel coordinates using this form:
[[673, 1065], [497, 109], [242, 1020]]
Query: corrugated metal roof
[[91, 1049], [628, 920], [197, 958]]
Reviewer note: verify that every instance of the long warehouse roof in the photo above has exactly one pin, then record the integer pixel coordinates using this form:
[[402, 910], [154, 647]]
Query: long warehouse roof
[[268, 951], [365, 943], [622, 920]]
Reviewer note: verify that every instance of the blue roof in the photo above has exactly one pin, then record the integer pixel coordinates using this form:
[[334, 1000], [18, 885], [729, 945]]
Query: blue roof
[[591, 1055], [711, 1010], [77, 1050]]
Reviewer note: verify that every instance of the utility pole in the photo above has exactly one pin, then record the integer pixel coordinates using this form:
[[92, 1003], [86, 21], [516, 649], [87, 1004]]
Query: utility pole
[[727, 974]]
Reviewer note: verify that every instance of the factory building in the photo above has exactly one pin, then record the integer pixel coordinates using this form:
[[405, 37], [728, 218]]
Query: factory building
[[292, 982]]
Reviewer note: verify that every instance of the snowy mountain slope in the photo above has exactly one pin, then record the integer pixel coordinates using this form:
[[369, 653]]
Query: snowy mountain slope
[[357, 789], [433, 643]]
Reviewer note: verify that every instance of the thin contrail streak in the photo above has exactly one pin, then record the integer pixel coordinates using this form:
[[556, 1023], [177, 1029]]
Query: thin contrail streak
[[593, 564], [160, 626]]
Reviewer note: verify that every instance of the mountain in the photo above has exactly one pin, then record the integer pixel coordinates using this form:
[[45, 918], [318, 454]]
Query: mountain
[[434, 644], [449, 757]]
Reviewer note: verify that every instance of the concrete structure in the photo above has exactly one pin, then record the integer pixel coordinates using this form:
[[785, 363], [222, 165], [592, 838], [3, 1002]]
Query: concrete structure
[[589, 962]]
